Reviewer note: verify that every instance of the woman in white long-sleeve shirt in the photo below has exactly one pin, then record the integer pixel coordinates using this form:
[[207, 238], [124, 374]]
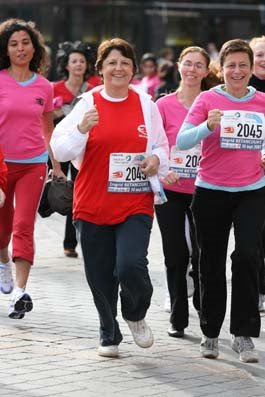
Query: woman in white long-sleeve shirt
[[117, 137]]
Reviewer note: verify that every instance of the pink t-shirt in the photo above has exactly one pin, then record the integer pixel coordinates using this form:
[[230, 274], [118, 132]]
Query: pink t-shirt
[[21, 115], [173, 113], [150, 83], [226, 167]]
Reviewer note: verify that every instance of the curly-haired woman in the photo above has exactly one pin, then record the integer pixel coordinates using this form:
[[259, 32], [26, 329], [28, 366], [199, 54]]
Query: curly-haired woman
[[26, 124]]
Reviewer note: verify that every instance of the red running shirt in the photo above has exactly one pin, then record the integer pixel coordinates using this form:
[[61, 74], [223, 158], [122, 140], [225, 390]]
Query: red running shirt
[[116, 132]]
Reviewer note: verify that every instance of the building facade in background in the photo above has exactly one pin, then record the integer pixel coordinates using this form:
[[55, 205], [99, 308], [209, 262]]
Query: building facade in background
[[150, 25]]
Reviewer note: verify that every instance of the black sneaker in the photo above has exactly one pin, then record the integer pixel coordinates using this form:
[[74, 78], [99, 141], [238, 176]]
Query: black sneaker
[[19, 305]]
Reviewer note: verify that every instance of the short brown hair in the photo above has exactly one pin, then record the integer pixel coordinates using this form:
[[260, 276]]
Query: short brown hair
[[235, 45], [121, 45]]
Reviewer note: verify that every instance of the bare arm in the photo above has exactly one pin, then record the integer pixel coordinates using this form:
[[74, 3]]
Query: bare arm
[[47, 132]]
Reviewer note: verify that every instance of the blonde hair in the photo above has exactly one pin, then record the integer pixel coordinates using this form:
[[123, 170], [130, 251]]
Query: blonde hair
[[253, 42]]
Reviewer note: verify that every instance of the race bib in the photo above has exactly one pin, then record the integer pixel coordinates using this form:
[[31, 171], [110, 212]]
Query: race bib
[[125, 175], [242, 130], [185, 162]]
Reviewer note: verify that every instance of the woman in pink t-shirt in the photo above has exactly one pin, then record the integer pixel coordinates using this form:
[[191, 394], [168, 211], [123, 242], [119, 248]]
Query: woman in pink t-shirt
[[193, 68], [3, 179], [150, 81], [25, 124], [230, 190]]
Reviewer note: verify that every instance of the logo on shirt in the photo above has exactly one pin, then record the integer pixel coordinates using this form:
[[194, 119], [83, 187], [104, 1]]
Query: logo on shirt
[[142, 133], [117, 174], [39, 101], [178, 160], [229, 130]]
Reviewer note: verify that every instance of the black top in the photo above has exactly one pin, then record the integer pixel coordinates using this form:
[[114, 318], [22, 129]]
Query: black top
[[257, 83]]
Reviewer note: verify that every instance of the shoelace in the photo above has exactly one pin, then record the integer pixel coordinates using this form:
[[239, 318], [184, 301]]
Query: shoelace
[[245, 343], [5, 273]]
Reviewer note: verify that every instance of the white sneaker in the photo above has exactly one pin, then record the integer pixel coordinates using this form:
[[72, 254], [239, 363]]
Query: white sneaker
[[209, 347], [20, 303], [108, 351], [6, 278], [141, 332], [246, 349], [261, 303]]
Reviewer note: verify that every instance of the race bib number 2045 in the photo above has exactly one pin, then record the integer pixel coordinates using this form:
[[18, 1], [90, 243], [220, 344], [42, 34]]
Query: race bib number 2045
[[125, 175], [242, 130]]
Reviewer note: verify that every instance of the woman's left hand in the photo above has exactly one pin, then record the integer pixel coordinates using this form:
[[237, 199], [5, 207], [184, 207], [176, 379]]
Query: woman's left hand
[[263, 161], [149, 166], [58, 173]]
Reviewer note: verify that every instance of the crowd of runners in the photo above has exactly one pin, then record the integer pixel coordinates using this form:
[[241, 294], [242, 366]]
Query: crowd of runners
[[182, 139]]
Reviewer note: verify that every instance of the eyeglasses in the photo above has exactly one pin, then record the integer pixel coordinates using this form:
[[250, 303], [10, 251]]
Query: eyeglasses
[[197, 65]]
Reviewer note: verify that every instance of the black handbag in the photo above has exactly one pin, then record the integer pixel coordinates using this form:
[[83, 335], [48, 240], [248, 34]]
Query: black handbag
[[60, 195], [44, 207]]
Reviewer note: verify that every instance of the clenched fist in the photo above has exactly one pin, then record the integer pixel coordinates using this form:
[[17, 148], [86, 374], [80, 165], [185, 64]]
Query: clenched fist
[[90, 119], [214, 118]]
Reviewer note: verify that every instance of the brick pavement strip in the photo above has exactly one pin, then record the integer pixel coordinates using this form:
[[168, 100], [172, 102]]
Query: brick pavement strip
[[53, 350]]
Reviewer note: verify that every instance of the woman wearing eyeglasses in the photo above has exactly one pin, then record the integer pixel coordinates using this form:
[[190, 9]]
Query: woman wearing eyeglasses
[[193, 68]]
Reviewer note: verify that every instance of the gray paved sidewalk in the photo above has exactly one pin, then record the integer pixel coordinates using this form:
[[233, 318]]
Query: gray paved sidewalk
[[52, 351]]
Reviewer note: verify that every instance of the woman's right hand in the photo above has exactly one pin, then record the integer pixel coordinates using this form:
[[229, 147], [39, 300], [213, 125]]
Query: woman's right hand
[[2, 198], [214, 119], [90, 119]]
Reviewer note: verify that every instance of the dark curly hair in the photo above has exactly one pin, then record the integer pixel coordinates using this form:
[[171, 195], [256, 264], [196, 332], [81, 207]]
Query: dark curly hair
[[7, 28], [62, 57]]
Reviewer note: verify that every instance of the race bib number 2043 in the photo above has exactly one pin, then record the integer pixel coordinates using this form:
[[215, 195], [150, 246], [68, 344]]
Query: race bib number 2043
[[242, 130], [125, 175]]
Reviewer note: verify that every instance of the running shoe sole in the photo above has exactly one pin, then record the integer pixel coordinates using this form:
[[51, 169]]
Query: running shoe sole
[[22, 306]]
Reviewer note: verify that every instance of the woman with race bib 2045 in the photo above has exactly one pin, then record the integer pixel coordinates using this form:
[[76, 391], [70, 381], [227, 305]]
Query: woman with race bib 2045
[[117, 135], [228, 120]]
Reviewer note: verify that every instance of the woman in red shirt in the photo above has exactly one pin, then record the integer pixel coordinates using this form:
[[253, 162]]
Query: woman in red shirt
[[73, 65], [116, 133]]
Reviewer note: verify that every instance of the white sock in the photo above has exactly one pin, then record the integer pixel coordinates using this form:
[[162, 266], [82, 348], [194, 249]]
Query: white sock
[[18, 291]]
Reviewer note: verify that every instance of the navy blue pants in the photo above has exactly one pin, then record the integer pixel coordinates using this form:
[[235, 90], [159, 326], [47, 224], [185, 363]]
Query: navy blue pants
[[116, 255], [214, 212]]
